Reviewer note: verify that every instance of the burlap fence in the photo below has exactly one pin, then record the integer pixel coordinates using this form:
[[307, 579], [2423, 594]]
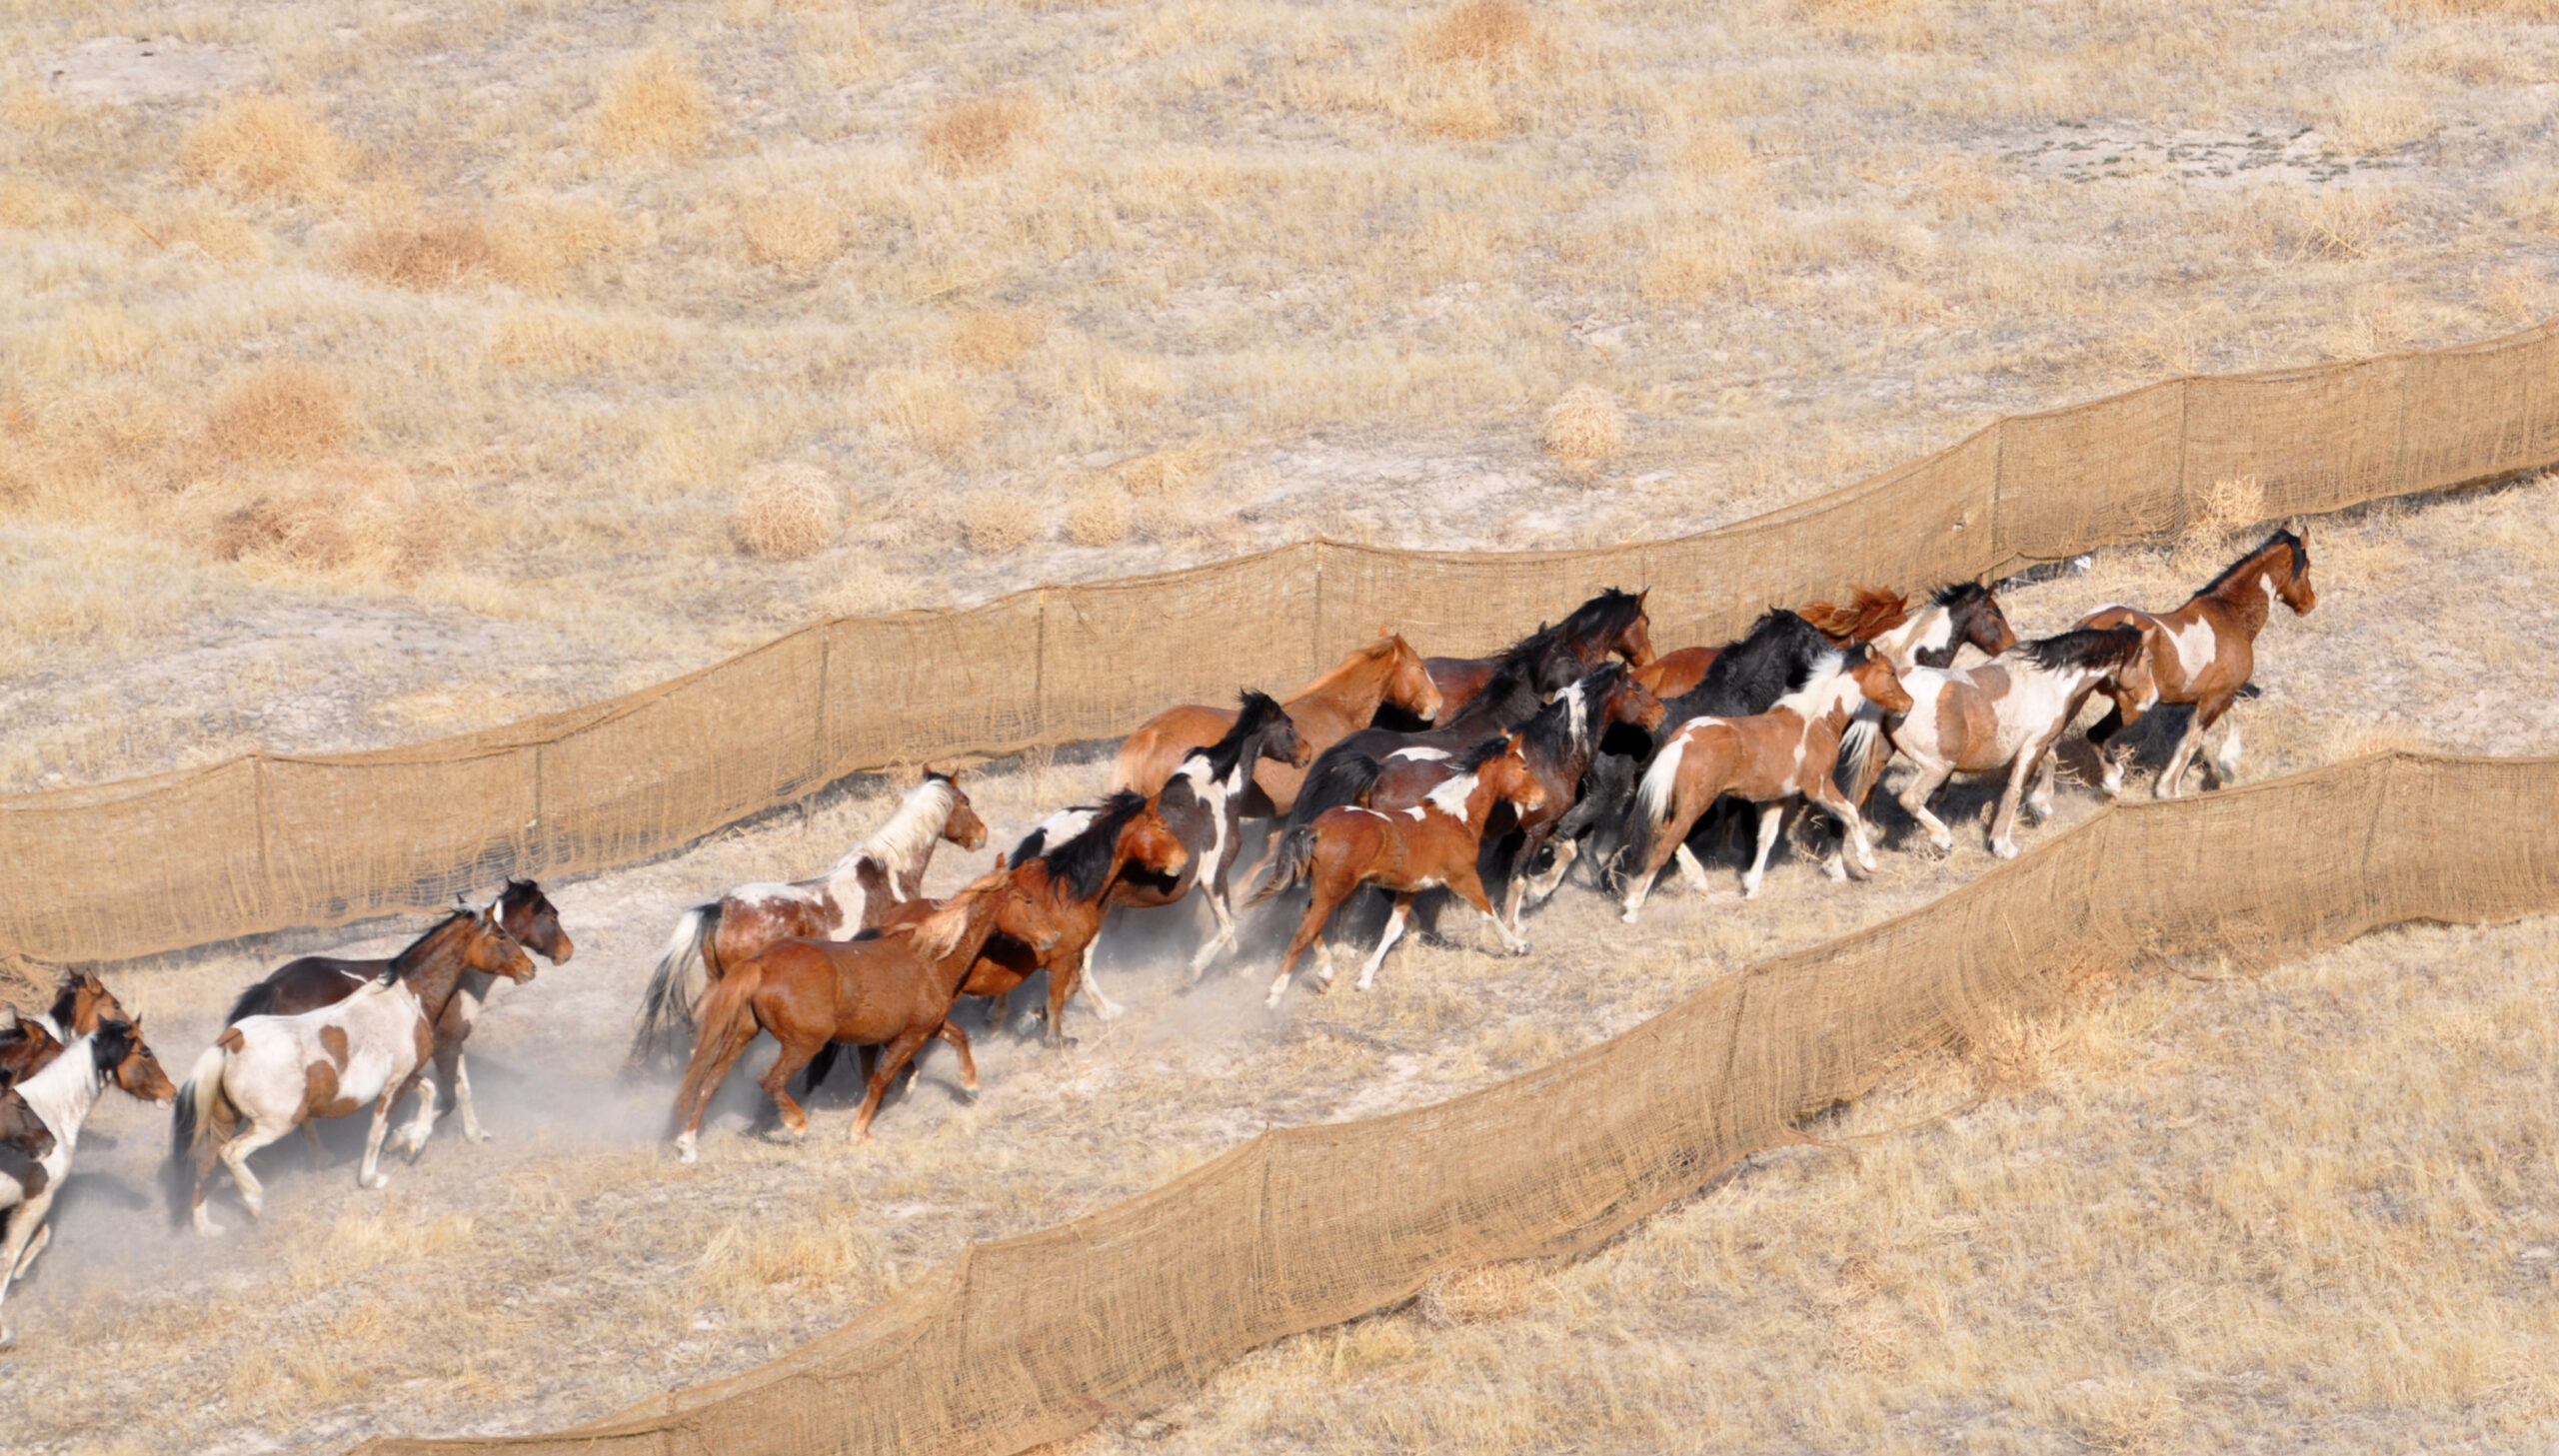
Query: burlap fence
[[275, 840], [1035, 1338]]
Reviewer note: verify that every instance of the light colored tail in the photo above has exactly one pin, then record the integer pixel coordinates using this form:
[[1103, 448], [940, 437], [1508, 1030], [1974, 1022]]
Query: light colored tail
[[666, 1004], [200, 1103], [1858, 749], [1654, 800]]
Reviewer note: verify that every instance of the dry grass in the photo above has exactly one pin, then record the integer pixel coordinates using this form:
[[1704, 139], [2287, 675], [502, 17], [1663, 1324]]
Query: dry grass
[[992, 338], [652, 106], [433, 255], [999, 520], [343, 514], [970, 136], [282, 414], [793, 233], [267, 147], [1585, 425], [785, 511], [1490, 33], [1098, 517]]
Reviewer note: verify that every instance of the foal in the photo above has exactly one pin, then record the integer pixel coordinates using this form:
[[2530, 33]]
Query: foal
[[1769, 758], [893, 986], [56, 1101], [2004, 716], [882, 871], [1386, 672], [2204, 653], [1430, 844]]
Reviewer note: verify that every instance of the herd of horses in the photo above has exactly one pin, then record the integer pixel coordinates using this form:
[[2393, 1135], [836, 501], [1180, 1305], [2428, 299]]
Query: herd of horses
[[1428, 779]]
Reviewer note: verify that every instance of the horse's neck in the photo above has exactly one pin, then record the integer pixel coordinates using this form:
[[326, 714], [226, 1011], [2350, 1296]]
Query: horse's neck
[[432, 967], [2248, 597], [65, 1091], [902, 847], [1354, 690], [1930, 627]]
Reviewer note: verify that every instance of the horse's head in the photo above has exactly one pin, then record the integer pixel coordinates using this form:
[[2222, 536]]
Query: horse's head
[[1876, 680], [83, 1002], [1281, 742], [1508, 776], [1978, 620], [1408, 683], [126, 1059], [1630, 702], [2291, 574], [1635, 639], [963, 827], [534, 920], [486, 946]]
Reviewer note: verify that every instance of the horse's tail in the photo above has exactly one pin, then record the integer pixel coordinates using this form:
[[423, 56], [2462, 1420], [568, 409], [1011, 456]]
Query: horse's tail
[[666, 1004], [1655, 797], [1290, 860], [1337, 781], [199, 1103], [727, 1010], [1861, 752]]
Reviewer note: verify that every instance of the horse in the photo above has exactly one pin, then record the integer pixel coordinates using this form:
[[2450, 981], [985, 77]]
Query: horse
[[1385, 672], [2204, 653], [1964, 612], [25, 1047], [1064, 870], [1404, 853], [2005, 716], [57, 1100], [1767, 758], [1614, 622], [893, 986], [882, 872], [453, 1004], [268, 1074], [80, 1002], [1202, 803]]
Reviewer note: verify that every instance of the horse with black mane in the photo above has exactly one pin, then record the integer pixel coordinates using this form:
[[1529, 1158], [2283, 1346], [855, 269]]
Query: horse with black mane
[[46, 1111], [1612, 621], [1064, 869]]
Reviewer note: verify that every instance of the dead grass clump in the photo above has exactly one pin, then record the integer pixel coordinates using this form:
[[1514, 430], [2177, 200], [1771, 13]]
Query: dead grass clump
[[429, 255], [1474, 1296], [969, 136], [1100, 517], [281, 414], [345, 513], [1484, 32], [2515, 295], [992, 338], [265, 146], [2123, 1414], [1584, 424], [999, 520], [927, 409], [2369, 116], [1464, 117], [785, 512], [2225, 507], [28, 109], [1168, 471], [652, 106], [791, 233]]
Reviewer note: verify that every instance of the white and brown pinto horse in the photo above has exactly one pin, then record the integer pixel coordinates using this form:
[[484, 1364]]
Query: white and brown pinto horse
[[1432, 844], [2004, 717], [1777, 758], [1202, 804], [41, 1115], [2204, 653], [877, 876]]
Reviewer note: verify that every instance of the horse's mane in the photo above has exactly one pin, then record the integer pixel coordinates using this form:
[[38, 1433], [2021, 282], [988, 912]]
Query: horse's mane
[[1258, 710], [2300, 560], [1603, 616], [1551, 733], [1082, 864], [937, 935], [2102, 649], [66, 999], [416, 950], [1955, 593], [1869, 610], [1475, 757], [908, 836], [1807, 680]]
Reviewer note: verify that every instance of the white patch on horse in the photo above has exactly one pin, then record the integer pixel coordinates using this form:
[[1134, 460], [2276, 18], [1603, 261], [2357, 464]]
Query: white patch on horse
[[1211, 793], [1419, 756], [1451, 797], [799, 893], [1062, 825], [1579, 709], [2196, 648]]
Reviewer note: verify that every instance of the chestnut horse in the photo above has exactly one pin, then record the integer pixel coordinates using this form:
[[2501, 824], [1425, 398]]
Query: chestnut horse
[[1612, 621], [882, 871], [1769, 758], [81, 1003], [1064, 872], [2004, 717], [2204, 653], [54, 1102], [893, 986], [1404, 853], [1334, 706], [453, 1005]]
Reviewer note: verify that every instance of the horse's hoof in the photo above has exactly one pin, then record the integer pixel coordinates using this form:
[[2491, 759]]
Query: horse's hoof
[[378, 1181], [8, 1338], [684, 1149], [209, 1229], [2004, 849]]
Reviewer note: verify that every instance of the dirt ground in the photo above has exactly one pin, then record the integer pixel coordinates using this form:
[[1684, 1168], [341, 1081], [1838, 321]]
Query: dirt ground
[[571, 1266]]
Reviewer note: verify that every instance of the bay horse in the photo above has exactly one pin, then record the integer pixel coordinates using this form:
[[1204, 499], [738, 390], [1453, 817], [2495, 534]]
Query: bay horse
[[1614, 622], [893, 986], [1430, 845], [2204, 654], [1385, 672], [1769, 760], [2004, 717], [55, 1102], [266, 1075], [883, 870], [81, 1003], [451, 990], [1064, 870]]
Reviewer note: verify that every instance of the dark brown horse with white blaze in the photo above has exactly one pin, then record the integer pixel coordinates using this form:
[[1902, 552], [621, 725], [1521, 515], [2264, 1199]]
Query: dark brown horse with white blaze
[[437, 965], [2204, 653], [891, 987], [1385, 672], [1432, 844], [874, 877], [47, 1110], [1066, 870], [1614, 622]]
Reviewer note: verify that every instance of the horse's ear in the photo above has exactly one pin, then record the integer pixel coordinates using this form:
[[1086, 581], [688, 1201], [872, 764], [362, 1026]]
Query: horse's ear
[[999, 860]]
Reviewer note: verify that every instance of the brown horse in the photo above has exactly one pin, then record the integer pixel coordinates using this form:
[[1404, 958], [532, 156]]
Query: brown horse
[[1066, 879], [882, 871], [1774, 757], [1965, 612], [2204, 653], [1332, 708], [1404, 853], [893, 988], [25, 1047], [81, 1003], [1614, 622]]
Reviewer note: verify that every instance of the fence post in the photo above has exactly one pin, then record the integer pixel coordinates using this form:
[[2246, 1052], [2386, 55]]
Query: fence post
[[820, 761], [266, 863]]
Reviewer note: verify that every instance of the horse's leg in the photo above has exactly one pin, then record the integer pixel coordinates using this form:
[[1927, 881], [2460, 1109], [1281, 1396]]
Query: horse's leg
[[1773, 817], [1386, 943], [235, 1156], [23, 1222], [1103, 1007], [35, 1246], [2110, 756], [1212, 887], [775, 1081], [2172, 780], [2004, 820], [899, 1053], [1924, 782], [2039, 801], [2221, 765], [370, 1175], [724, 1055], [958, 1041], [413, 1135], [1466, 886], [1566, 852], [1840, 808], [821, 1067], [1310, 932]]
